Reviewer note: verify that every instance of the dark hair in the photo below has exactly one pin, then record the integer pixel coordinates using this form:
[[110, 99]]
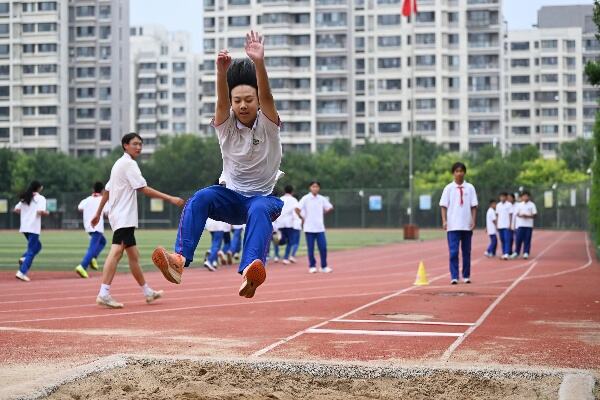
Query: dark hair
[[458, 165], [241, 72], [525, 192], [27, 195], [493, 201], [511, 195], [129, 137], [314, 183], [98, 186], [289, 189], [503, 194]]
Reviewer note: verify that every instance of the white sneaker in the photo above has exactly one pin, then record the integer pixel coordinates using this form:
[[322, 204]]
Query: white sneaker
[[454, 282], [513, 256], [525, 256], [209, 267], [221, 257], [286, 262], [108, 301], [154, 295], [22, 276], [312, 270], [467, 280], [275, 259], [326, 270], [505, 256], [488, 255], [293, 259]]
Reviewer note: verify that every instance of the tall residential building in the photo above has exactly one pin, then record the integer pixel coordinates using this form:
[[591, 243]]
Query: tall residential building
[[548, 98], [164, 83], [63, 75], [344, 68]]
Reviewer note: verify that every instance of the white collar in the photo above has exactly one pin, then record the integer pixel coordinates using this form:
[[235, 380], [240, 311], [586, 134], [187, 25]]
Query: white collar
[[241, 126]]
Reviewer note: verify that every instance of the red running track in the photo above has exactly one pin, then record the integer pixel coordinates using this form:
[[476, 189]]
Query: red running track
[[541, 311]]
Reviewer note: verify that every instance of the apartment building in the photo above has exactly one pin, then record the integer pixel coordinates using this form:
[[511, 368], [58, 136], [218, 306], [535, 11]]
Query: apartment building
[[63, 75], [344, 68], [164, 84]]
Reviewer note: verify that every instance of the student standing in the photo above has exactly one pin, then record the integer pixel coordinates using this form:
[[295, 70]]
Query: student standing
[[288, 221], [121, 194], [216, 234], [492, 230], [526, 212], [504, 211], [236, 241], [247, 126], [88, 206], [31, 208], [512, 230], [459, 210], [312, 209]]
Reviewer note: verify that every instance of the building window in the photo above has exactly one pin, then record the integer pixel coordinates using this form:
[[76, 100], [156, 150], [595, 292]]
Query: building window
[[28, 110], [47, 89], [105, 135], [105, 52], [105, 73], [4, 8], [105, 114], [4, 91], [47, 110], [27, 48], [47, 68], [86, 52], [28, 69], [4, 29], [28, 131], [47, 131], [242, 20], [85, 11], [549, 44], [47, 27], [28, 28], [390, 127], [83, 113], [519, 46], [47, 48], [389, 19], [388, 106], [4, 133], [180, 66], [104, 32], [425, 17], [388, 41], [389, 62], [104, 93], [47, 6], [86, 134], [28, 90]]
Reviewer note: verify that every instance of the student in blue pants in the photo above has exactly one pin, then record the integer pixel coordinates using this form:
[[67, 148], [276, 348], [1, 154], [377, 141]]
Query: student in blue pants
[[247, 126], [31, 208], [526, 212], [490, 225], [459, 210], [504, 212], [88, 206], [236, 241]]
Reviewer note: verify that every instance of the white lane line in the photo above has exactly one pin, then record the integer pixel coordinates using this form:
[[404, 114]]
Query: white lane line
[[376, 321], [381, 333], [448, 353], [115, 313]]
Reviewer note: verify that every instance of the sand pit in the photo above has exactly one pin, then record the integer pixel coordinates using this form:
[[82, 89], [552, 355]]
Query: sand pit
[[204, 379]]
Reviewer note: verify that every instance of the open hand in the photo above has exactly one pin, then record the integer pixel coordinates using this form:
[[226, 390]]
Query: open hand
[[254, 46], [223, 61]]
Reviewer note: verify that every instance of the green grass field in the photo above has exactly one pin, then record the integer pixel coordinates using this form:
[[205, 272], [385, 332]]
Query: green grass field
[[63, 250]]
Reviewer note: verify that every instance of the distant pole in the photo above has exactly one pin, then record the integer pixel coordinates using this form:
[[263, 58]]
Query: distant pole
[[411, 217]]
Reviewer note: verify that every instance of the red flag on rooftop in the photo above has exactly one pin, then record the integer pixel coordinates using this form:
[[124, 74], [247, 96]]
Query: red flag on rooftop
[[409, 7]]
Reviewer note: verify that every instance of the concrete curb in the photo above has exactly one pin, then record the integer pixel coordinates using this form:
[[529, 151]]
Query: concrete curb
[[574, 381], [577, 387]]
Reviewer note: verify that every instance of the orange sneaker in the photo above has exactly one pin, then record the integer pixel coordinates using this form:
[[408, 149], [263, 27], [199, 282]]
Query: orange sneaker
[[254, 275], [170, 264]]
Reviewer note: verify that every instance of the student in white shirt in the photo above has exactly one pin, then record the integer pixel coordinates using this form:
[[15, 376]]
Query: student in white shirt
[[492, 230], [512, 230], [459, 209], [216, 234], [526, 212], [88, 206], [312, 209], [247, 126], [288, 224], [31, 209], [504, 211], [121, 194], [236, 241]]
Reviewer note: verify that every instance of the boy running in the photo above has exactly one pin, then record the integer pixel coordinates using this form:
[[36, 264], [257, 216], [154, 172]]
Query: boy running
[[459, 209], [490, 224], [31, 208], [88, 206], [312, 209], [526, 212], [247, 126], [121, 194]]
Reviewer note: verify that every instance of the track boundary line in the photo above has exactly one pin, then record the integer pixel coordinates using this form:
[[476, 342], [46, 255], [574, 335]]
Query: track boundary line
[[381, 333], [378, 321], [448, 353]]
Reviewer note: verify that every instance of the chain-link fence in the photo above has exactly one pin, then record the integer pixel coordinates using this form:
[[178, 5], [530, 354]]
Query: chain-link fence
[[559, 207]]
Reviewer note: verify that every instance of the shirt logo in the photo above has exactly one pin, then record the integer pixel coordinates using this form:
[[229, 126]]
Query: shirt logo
[[255, 141]]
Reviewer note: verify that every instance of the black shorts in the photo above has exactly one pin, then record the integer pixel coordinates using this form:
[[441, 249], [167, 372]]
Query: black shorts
[[124, 236]]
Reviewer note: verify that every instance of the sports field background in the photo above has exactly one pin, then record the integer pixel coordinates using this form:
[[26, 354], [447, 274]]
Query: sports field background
[[63, 249]]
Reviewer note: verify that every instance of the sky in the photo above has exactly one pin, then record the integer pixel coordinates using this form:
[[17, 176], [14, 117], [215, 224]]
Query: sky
[[187, 14]]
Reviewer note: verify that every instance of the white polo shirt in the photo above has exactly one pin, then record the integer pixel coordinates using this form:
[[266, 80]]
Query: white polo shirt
[[504, 209], [31, 221], [288, 217], [125, 179], [89, 206], [490, 218], [251, 156], [459, 214], [313, 209], [525, 209], [212, 225]]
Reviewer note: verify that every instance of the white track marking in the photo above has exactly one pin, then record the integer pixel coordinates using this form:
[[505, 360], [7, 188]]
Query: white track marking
[[381, 333], [375, 321], [448, 353]]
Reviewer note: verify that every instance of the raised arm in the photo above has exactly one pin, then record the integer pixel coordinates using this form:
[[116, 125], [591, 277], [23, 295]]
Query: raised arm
[[255, 49], [223, 102]]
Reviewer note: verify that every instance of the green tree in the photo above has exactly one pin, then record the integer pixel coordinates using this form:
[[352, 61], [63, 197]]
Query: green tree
[[546, 172], [578, 154]]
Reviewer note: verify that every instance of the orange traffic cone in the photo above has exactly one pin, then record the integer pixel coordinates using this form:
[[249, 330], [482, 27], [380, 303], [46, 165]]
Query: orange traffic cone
[[421, 276]]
